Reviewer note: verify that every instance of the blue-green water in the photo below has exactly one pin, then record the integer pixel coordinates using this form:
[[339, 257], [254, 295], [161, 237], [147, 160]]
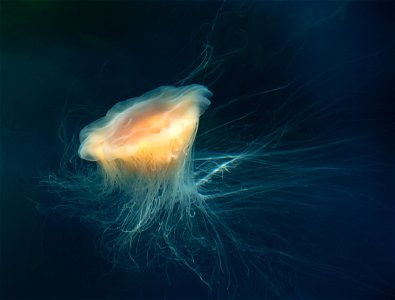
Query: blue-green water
[[326, 66]]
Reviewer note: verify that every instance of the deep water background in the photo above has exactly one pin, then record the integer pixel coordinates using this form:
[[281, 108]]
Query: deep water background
[[84, 56]]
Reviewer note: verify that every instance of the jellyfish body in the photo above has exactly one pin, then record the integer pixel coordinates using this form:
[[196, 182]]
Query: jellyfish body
[[154, 200], [144, 181], [150, 135]]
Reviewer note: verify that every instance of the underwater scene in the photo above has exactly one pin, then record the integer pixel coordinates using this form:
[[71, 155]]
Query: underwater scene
[[197, 149]]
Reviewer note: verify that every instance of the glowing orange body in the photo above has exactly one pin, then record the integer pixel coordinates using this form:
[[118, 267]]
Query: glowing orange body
[[148, 134]]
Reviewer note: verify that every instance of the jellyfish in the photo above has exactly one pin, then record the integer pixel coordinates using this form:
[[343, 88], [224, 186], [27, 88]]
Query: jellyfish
[[229, 185], [143, 149], [143, 187], [139, 181]]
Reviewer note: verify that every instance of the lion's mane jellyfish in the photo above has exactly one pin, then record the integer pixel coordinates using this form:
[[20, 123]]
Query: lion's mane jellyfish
[[154, 199], [138, 185]]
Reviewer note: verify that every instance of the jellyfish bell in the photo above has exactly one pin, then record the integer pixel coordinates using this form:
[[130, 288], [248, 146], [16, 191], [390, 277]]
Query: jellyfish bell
[[149, 136]]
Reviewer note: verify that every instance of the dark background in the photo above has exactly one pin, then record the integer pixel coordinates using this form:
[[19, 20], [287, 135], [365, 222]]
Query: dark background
[[81, 57]]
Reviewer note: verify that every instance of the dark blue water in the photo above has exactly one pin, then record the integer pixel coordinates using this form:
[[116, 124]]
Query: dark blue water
[[335, 58]]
